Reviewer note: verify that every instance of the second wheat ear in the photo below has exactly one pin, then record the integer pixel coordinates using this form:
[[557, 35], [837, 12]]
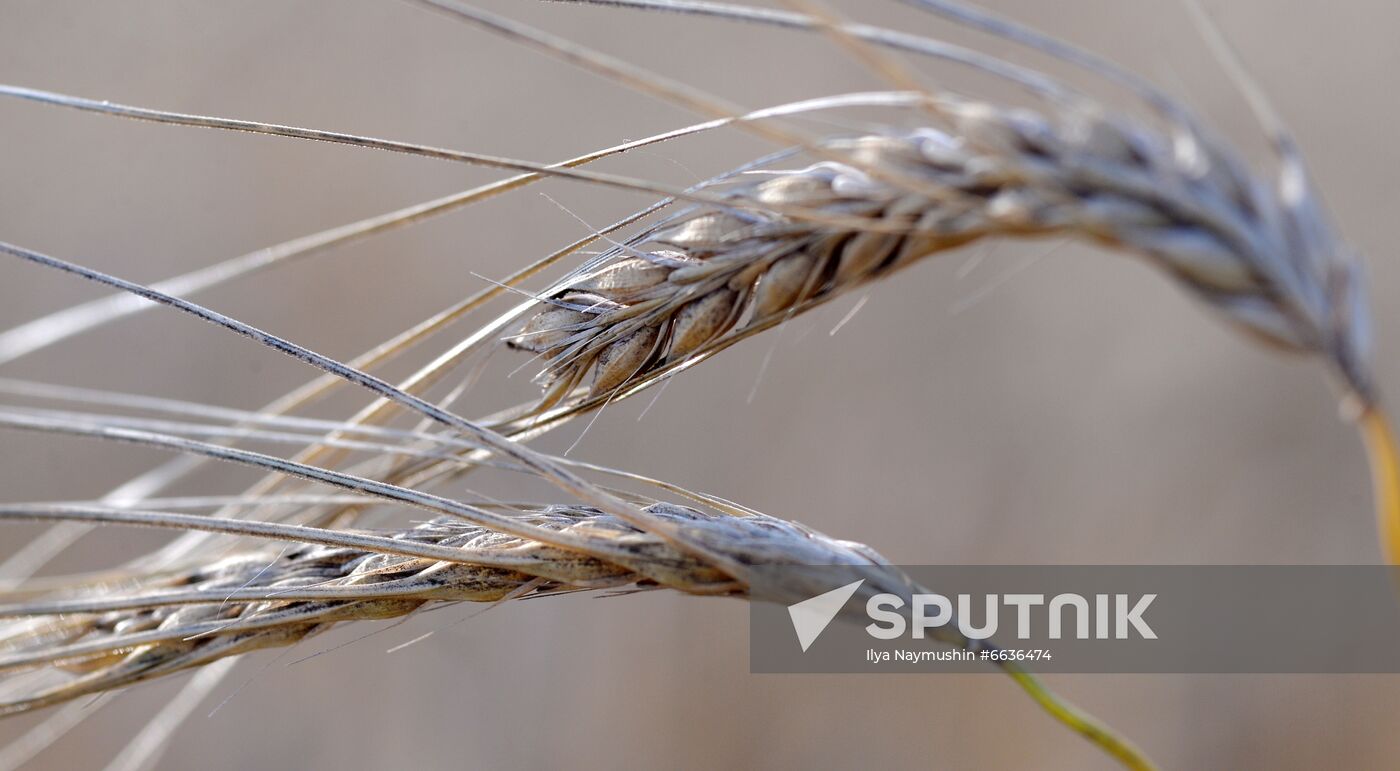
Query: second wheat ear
[[1257, 248], [708, 277]]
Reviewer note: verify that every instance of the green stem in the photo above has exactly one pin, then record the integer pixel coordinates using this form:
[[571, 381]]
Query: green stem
[[1082, 723]]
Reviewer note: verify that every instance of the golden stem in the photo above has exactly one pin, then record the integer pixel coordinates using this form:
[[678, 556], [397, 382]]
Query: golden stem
[[1385, 477]]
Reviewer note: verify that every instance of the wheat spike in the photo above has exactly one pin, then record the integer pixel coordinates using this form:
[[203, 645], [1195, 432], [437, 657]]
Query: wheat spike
[[678, 289], [100, 637], [255, 599]]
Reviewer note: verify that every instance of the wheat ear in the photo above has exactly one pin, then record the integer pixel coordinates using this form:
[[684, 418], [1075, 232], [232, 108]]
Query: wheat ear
[[257, 599], [1261, 251]]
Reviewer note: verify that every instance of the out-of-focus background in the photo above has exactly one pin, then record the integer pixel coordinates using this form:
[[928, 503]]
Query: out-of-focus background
[[1005, 405]]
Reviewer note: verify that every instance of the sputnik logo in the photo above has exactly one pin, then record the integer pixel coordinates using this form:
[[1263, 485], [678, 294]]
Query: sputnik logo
[[811, 617]]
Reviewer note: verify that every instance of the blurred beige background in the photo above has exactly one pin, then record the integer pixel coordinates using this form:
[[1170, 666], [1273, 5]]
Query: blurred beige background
[[1073, 407]]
